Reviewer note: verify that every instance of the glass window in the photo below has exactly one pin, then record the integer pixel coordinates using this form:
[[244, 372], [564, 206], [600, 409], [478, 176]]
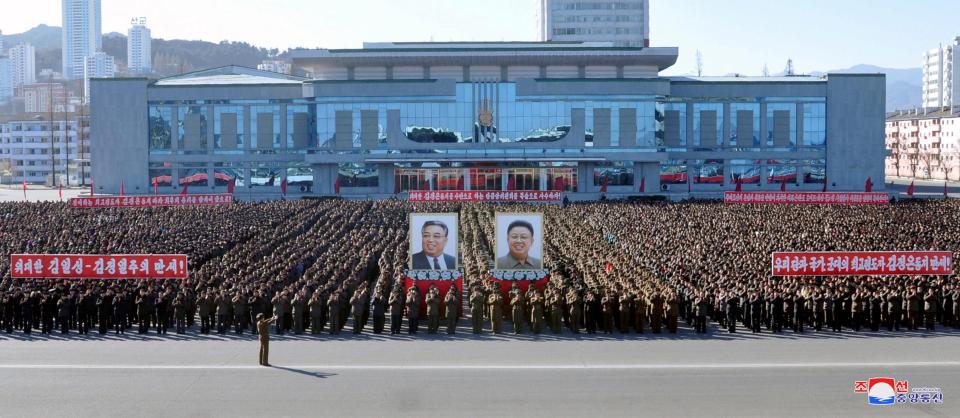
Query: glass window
[[781, 171], [707, 171], [228, 135], [266, 175], [300, 177], [674, 124], [814, 125], [814, 171], [300, 127], [193, 174], [161, 174], [486, 179], [745, 171], [265, 128], [782, 126], [523, 179], [161, 129], [358, 175], [613, 174], [562, 179], [708, 115], [223, 173], [192, 129], [737, 110], [673, 172]]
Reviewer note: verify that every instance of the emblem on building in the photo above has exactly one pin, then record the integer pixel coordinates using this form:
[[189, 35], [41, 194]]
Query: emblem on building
[[486, 114]]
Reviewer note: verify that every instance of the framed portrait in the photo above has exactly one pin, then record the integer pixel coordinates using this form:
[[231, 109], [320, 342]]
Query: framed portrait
[[519, 238], [434, 241]]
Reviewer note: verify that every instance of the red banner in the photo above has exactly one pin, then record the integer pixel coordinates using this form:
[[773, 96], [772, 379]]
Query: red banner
[[148, 201], [76, 266], [485, 196], [837, 198], [524, 279], [867, 263]]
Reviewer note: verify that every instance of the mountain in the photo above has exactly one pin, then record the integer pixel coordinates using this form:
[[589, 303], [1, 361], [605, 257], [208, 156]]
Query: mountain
[[904, 85], [169, 56]]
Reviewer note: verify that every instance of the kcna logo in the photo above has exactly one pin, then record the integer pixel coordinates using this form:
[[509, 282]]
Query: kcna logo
[[889, 391]]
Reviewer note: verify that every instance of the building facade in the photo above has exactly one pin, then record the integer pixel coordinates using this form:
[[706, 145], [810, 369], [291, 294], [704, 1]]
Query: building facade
[[23, 64], [626, 23], [6, 80], [392, 118], [139, 53], [924, 144], [25, 143], [940, 75], [98, 65], [81, 35], [36, 97]]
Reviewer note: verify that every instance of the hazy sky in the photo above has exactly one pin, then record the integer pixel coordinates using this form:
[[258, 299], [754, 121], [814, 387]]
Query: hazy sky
[[733, 35]]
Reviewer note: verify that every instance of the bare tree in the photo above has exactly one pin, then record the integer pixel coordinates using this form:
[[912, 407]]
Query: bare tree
[[699, 64], [790, 70], [766, 70]]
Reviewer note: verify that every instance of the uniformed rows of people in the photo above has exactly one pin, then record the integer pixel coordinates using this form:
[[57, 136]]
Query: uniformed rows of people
[[319, 266]]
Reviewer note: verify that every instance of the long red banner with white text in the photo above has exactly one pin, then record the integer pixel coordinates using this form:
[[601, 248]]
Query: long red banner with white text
[[862, 263], [77, 266], [485, 196], [155, 200], [839, 198]]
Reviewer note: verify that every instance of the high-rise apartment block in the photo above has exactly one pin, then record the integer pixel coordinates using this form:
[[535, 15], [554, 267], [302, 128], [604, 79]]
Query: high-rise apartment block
[[138, 47], [626, 23], [98, 65], [940, 76], [81, 35], [24, 65]]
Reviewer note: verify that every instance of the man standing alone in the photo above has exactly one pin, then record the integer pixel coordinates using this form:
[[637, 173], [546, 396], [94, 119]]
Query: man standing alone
[[263, 331]]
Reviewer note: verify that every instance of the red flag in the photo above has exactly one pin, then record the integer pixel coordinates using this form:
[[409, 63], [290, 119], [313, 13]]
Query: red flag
[[608, 268], [184, 191], [60, 192], [739, 185], [511, 183], [91, 187], [336, 186], [643, 184], [121, 187], [460, 183], [824, 183], [783, 186], [603, 187], [910, 189], [869, 185], [558, 183], [231, 185], [156, 186], [24, 188], [283, 187]]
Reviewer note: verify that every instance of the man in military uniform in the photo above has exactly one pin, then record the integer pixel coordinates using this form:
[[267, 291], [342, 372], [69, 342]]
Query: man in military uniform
[[477, 301], [607, 308], [316, 308], [656, 312], [733, 304], [495, 302], [516, 310], [451, 309], [641, 307], [672, 312], [433, 310], [379, 311], [931, 304], [556, 311], [396, 310], [263, 330], [536, 310], [413, 310], [576, 309], [358, 303], [240, 306], [333, 306]]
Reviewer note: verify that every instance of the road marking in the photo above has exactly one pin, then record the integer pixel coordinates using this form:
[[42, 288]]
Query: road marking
[[711, 366]]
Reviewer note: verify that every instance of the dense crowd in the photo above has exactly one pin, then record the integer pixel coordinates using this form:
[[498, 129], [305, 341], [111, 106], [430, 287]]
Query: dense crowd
[[319, 266]]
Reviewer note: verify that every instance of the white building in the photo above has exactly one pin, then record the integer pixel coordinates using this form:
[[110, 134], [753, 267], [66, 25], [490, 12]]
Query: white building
[[939, 76], [81, 35], [275, 66], [139, 56], [26, 144], [24, 64], [6, 80], [626, 23], [98, 65]]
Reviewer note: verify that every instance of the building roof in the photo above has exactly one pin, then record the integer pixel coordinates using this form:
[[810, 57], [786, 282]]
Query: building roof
[[921, 114], [749, 79], [229, 75], [488, 54]]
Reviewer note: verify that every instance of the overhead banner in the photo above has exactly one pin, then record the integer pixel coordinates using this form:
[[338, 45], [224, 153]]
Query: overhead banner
[[813, 198], [485, 196], [148, 201], [76, 266], [866, 263]]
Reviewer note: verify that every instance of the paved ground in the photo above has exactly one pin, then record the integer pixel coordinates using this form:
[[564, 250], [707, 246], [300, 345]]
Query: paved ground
[[685, 375]]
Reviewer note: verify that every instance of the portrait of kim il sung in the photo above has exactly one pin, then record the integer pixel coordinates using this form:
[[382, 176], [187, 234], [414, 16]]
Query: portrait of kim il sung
[[433, 241], [519, 241]]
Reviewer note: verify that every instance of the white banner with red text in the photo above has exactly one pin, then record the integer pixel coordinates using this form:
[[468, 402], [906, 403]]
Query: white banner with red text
[[867, 263], [148, 201], [79, 266], [813, 198]]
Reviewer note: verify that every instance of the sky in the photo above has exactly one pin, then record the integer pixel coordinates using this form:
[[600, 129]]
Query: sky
[[733, 36]]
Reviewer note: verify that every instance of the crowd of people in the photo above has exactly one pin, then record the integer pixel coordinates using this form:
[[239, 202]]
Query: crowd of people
[[615, 267]]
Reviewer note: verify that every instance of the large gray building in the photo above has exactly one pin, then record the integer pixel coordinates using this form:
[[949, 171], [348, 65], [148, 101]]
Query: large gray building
[[396, 117], [623, 22]]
